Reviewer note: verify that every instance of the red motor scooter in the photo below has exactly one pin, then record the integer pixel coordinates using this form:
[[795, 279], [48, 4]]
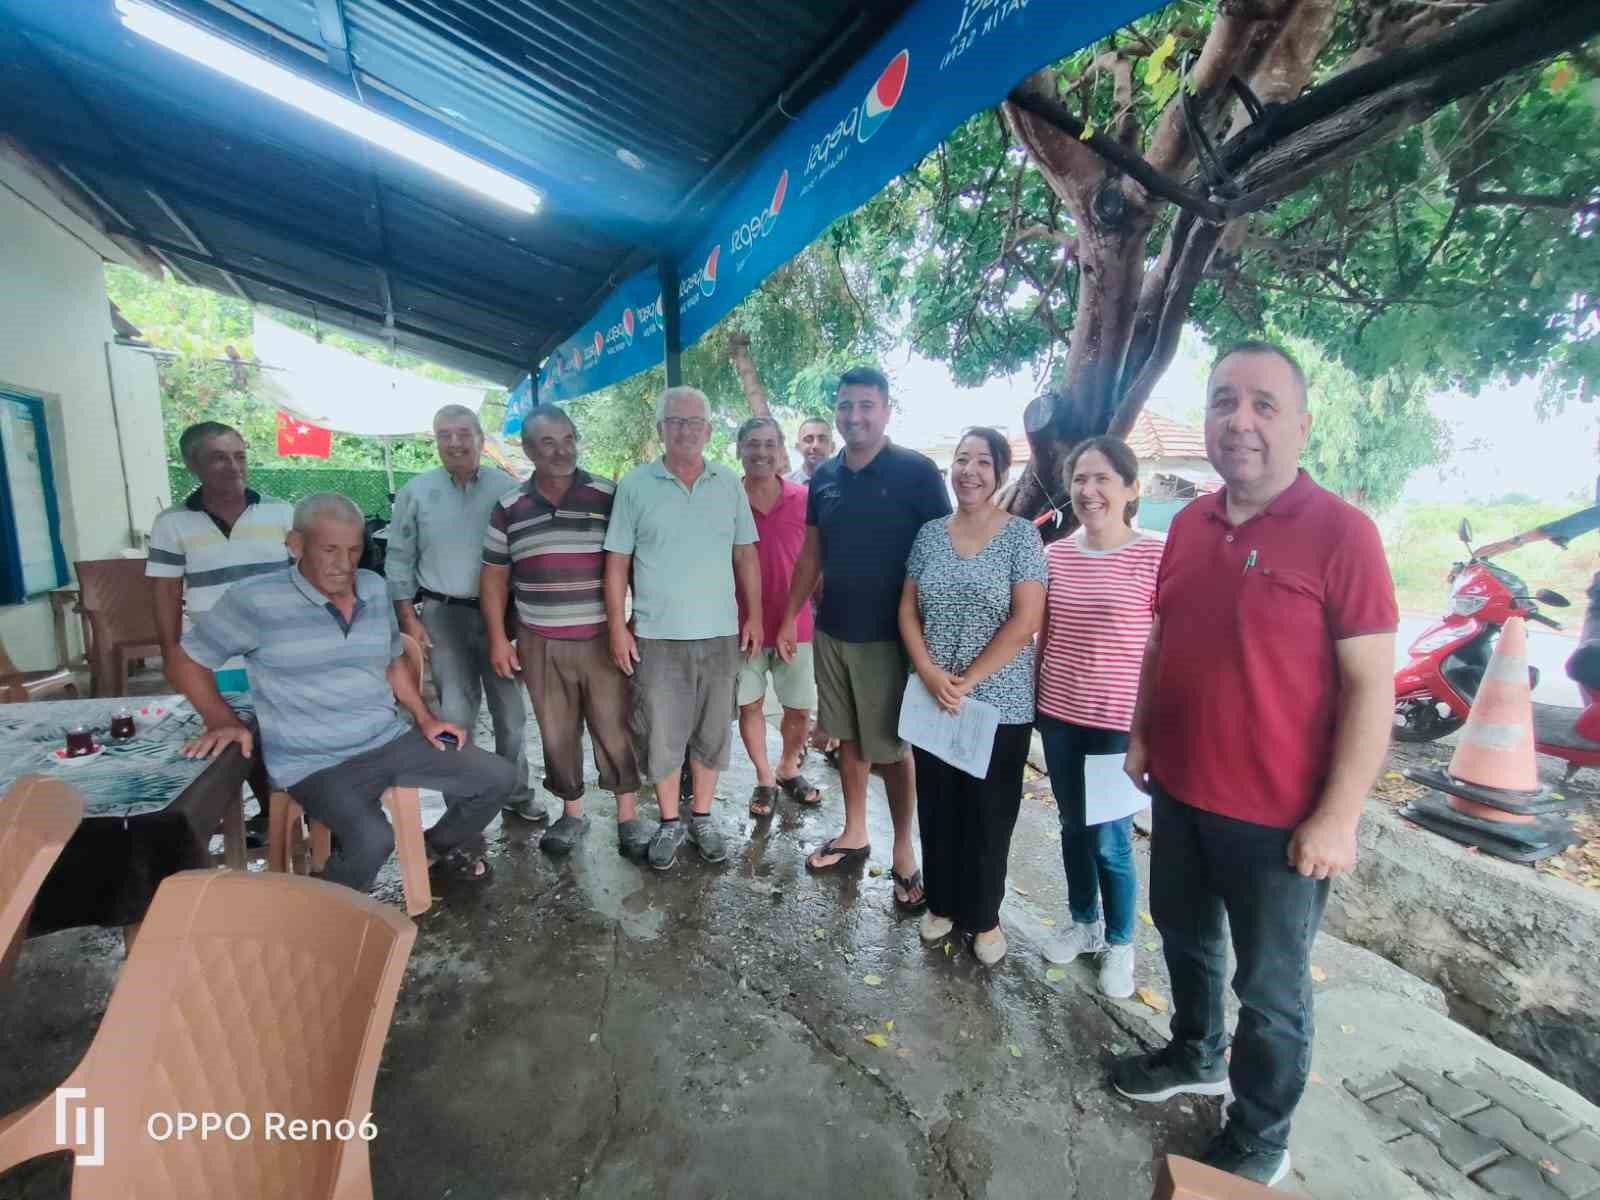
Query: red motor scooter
[[1433, 692]]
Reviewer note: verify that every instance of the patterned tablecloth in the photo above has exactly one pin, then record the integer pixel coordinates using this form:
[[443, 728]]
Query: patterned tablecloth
[[143, 774]]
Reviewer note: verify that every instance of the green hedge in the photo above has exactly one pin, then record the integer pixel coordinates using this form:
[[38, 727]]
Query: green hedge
[[368, 488]]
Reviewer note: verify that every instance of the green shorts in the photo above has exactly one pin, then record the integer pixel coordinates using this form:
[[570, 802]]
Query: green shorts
[[859, 689], [794, 682]]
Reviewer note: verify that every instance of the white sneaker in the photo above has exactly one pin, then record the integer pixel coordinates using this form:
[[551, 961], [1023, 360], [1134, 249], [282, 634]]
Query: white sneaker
[[934, 929], [1116, 972], [1080, 939]]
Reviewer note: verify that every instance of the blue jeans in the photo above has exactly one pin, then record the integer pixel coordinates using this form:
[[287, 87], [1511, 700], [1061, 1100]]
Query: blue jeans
[[1212, 878], [1098, 858]]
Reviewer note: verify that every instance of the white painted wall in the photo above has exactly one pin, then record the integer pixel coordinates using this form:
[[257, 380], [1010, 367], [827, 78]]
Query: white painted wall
[[56, 327]]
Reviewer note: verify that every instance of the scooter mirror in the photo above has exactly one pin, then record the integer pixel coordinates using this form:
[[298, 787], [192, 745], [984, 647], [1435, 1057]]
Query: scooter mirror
[[1552, 599], [1465, 531]]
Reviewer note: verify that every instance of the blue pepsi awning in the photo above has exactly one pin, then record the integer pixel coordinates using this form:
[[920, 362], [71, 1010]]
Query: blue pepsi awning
[[938, 65]]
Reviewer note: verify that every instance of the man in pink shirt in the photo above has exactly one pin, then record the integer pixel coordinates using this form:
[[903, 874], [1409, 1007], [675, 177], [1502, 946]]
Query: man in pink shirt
[[779, 507]]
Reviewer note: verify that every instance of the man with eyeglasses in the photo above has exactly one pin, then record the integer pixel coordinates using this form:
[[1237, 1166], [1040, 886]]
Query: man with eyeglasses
[[435, 552], [681, 531]]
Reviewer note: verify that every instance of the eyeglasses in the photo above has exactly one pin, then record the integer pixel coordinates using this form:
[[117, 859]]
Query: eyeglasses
[[694, 424]]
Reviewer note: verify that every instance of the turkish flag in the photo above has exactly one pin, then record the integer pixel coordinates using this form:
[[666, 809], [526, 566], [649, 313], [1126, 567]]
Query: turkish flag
[[299, 437]]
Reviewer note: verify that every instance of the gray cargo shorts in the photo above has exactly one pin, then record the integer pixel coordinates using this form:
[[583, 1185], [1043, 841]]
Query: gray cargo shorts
[[683, 697]]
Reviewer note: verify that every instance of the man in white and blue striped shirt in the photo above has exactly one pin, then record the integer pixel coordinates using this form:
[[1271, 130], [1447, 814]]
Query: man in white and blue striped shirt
[[327, 672]]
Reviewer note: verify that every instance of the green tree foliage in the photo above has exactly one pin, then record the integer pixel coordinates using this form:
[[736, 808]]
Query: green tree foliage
[[1452, 244], [209, 374], [1366, 438]]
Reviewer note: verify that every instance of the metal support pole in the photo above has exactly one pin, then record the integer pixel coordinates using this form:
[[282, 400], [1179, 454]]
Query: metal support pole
[[388, 464], [671, 335]]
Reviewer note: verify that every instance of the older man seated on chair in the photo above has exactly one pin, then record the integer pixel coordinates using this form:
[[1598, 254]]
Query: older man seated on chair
[[327, 670]]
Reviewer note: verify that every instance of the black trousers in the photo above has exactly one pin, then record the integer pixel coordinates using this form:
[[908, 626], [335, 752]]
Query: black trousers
[[966, 826], [1203, 867]]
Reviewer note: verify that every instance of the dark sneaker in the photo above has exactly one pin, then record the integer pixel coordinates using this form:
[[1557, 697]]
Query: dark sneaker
[[1260, 1166], [1167, 1072], [633, 839], [563, 836], [529, 809], [707, 837], [669, 835]]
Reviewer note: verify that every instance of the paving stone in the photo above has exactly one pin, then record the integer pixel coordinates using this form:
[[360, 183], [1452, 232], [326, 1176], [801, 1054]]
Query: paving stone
[[1538, 1115], [1583, 1146], [1462, 1149], [1373, 1086], [1451, 1099], [1565, 1174], [1516, 1178], [1419, 1158], [1382, 1111]]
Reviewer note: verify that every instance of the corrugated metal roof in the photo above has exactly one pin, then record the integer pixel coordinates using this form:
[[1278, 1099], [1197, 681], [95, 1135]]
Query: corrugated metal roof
[[629, 116]]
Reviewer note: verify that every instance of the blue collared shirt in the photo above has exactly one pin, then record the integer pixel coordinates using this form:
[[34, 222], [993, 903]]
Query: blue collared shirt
[[319, 683]]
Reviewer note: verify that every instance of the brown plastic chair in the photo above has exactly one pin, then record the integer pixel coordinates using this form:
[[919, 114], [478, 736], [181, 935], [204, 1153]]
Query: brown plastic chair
[[37, 816], [286, 824], [1179, 1178], [116, 597], [18, 685], [251, 994]]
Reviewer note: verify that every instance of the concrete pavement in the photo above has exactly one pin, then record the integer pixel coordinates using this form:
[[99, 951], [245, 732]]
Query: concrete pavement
[[588, 1027]]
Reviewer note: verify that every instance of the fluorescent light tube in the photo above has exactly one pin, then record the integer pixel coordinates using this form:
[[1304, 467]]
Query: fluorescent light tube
[[272, 80]]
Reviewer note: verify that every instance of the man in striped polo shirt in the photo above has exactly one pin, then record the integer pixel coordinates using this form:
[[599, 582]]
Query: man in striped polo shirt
[[222, 533], [545, 539]]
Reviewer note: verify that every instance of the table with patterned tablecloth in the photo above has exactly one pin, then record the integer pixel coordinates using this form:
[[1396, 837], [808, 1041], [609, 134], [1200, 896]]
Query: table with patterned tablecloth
[[148, 810]]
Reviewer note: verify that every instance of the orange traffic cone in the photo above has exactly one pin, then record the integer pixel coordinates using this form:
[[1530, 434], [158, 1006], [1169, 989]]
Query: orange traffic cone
[[1496, 746], [1492, 795]]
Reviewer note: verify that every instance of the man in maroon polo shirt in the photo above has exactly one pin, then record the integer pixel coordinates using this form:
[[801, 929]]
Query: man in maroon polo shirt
[[1264, 713]]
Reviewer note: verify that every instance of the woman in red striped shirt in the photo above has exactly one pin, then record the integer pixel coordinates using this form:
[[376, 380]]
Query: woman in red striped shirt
[[1098, 613]]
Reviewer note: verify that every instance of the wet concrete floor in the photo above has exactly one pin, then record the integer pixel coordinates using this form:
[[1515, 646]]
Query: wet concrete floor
[[589, 1027]]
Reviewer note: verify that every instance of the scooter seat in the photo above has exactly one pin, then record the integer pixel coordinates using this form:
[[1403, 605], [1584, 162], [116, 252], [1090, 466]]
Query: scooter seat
[[1553, 726]]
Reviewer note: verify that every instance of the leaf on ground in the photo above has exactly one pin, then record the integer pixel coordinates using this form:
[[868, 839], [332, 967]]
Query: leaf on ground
[[1318, 975], [875, 872], [1152, 946], [1152, 998], [1393, 775], [876, 1039], [872, 980], [888, 1026], [1347, 1029], [1019, 889], [1048, 922], [819, 933], [1055, 974], [1147, 918], [1014, 1050], [947, 949]]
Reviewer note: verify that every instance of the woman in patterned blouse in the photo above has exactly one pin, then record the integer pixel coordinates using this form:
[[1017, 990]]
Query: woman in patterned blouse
[[972, 602]]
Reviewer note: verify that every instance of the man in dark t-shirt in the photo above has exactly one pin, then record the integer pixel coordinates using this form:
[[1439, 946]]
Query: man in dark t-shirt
[[865, 508]]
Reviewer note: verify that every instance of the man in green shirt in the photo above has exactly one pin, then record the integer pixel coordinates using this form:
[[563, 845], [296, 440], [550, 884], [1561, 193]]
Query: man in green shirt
[[681, 528]]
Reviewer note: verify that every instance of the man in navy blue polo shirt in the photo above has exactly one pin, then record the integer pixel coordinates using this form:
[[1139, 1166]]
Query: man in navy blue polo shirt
[[864, 511]]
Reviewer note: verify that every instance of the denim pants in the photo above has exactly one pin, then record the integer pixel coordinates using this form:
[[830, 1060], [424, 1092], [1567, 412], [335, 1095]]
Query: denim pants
[[1203, 867], [966, 826], [1098, 858], [462, 673]]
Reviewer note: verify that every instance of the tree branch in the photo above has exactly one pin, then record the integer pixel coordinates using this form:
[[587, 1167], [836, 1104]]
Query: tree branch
[[1471, 196]]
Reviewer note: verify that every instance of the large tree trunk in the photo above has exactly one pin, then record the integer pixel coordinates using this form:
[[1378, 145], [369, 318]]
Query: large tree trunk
[[755, 394]]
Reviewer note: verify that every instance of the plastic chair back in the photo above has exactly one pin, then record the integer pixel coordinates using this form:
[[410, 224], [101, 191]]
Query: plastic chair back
[[37, 817], [253, 994], [116, 598]]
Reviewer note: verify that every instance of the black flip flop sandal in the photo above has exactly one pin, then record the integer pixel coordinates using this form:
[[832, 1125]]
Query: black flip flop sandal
[[801, 790], [850, 856], [461, 866], [763, 799], [910, 884]]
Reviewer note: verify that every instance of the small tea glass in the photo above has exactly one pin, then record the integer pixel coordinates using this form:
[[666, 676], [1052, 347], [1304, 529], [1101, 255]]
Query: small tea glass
[[122, 727]]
